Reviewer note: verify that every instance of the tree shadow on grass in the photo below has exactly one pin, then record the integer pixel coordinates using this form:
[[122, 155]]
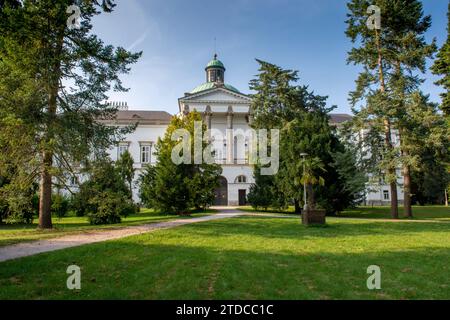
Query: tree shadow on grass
[[293, 229], [141, 268]]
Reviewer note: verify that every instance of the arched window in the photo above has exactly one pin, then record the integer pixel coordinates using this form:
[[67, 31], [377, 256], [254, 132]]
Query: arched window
[[241, 179]]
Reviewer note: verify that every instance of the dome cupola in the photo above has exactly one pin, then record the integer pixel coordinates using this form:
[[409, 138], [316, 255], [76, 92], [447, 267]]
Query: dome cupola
[[215, 71]]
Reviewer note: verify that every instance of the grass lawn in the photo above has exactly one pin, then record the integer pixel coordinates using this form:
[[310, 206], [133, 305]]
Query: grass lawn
[[247, 258], [11, 234], [420, 212]]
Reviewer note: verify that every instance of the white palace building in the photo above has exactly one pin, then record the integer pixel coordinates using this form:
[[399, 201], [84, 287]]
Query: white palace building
[[223, 107]]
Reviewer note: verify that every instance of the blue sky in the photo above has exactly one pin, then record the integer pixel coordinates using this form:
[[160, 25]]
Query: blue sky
[[177, 38]]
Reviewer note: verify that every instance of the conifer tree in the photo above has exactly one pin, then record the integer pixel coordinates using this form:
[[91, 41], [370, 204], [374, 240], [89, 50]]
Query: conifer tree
[[441, 68], [177, 188], [390, 54], [125, 166], [303, 121], [54, 77]]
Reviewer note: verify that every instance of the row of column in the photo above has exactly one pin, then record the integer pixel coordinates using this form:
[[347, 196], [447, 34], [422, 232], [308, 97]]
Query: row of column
[[229, 132]]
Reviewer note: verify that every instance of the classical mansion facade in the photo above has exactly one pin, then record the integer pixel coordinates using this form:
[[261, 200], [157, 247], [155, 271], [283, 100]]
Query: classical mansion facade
[[226, 111]]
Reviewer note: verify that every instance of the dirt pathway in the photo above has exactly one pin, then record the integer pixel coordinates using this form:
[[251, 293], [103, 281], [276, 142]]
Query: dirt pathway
[[26, 249]]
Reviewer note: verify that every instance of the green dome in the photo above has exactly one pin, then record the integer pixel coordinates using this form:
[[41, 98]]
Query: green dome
[[211, 85], [215, 63]]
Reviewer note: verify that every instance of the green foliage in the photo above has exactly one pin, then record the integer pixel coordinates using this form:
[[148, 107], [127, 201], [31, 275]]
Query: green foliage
[[202, 185], [109, 207], [278, 99], [173, 188], [16, 202], [430, 180], [353, 176], [263, 193], [105, 196], [302, 118], [125, 167], [344, 179], [146, 183], [60, 205], [441, 68], [391, 57], [46, 127]]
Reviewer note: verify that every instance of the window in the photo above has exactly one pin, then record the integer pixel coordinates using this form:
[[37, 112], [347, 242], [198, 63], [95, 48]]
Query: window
[[386, 194], [73, 181], [122, 149], [241, 179], [146, 151]]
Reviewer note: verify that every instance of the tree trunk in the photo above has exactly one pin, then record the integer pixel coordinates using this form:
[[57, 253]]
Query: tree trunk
[[311, 199], [45, 193], [406, 168], [394, 200], [392, 172], [407, 191], [45, 187], [53, 81], [298, 209], [387, 131]]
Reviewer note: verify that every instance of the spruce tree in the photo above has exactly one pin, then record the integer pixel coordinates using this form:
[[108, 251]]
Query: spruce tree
[[178, 188], [53, 83], [406, 25], [303, 121], [390, 54], [441, 68], [125, 167]]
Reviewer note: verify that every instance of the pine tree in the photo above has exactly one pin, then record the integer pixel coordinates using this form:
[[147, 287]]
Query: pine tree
[[302, 117], [178, 188], [125, 166], [406, 26], [263, 193], [441, 68], [426, 139], [389, 54], [53, 81], [146, 183]]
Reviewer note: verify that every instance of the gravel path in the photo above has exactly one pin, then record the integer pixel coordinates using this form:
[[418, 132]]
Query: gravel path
[[26, 249]]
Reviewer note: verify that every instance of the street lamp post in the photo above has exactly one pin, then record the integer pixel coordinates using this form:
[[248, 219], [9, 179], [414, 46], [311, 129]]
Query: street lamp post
[[305, 207]]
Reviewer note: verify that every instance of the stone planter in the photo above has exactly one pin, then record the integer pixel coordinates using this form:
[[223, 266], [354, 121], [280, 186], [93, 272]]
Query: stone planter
[[313, 217]]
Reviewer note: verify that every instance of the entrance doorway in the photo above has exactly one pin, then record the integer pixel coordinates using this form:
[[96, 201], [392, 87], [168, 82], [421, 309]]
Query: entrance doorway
[[242, 197], [221, 193]]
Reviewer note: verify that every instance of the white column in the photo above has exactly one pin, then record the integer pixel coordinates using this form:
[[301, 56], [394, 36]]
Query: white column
[[230, 136]]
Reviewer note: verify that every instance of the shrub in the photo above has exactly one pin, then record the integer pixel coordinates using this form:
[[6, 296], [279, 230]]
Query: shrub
[[105, 197], [109, 207], [60, 205], [80, 202], [175, 189], [19, 210], [16, 202]]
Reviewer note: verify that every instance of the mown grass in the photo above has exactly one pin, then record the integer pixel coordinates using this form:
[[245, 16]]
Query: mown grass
[[381, 212], [247, 258], [11, 234], [419, 212]]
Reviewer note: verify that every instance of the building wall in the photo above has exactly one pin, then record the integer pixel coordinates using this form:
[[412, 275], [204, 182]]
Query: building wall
[[149, 134]]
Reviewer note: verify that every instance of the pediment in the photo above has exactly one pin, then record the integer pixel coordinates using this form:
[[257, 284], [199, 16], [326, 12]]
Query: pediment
[[217, 95]]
